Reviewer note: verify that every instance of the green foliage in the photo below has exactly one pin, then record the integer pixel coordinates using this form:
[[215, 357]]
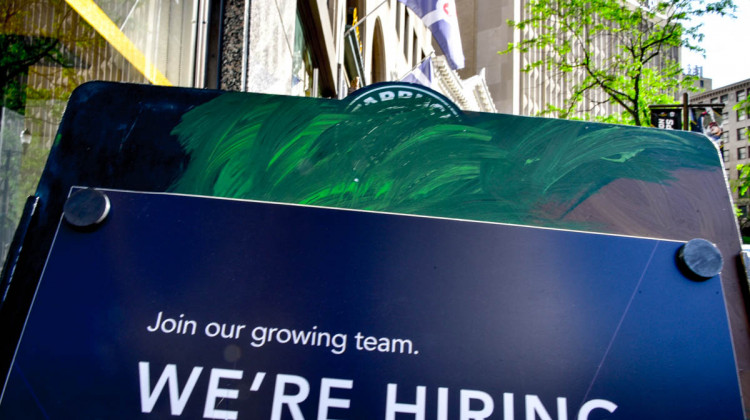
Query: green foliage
[[36, 40], [17, 54], [14, 95], [742, 184], [743, 181], [624, 51], [743, 105], [24, 44]]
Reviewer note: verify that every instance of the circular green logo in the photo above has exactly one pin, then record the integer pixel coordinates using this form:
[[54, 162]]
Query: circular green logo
[[394, 97]]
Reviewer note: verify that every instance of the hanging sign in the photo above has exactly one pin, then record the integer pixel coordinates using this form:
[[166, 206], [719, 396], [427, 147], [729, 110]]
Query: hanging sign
[[668, 119]]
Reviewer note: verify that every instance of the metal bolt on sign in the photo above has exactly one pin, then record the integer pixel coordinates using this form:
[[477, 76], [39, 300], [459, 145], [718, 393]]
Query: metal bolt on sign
[[700, 259], [86, 208]]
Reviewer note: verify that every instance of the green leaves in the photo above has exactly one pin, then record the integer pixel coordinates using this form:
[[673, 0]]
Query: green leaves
[[625, 52], [743, 181]]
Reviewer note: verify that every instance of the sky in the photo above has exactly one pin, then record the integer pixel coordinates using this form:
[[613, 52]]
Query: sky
[[727, 50]]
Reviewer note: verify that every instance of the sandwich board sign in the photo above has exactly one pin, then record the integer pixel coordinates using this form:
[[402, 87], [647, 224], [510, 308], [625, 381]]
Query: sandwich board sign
[[204, 254]]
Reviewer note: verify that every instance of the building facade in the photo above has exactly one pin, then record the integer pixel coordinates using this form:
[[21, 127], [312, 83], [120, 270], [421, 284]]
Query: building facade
[[332, 48], [485, 32], [735, 147]]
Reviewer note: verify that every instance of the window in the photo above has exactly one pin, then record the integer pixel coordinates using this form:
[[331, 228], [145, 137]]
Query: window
[[304, 79], [54, 50], [724, 116], [164, 31], [714, 100], [724, 99], [742, 153], [399, 11], [406, 33], [725, 155], [378, 71], [741, 95], [742, 134], [415, 50], [741, 114]]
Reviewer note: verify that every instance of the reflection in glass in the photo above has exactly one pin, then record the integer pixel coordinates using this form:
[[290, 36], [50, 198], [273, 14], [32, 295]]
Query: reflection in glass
[[163, 31], [49, 47]]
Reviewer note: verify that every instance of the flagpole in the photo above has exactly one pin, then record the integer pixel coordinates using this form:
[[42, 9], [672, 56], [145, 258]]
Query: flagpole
[[418, 64], [363, 18]]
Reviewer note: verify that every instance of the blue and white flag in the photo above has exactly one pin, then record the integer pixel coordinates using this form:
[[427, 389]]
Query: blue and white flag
[[440, 17], [422, 75]]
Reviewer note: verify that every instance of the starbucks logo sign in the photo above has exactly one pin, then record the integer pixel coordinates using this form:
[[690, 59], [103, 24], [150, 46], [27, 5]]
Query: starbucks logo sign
[[394, 97]]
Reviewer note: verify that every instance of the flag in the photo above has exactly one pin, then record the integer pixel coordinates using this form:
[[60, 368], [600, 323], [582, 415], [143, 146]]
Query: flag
[[704, 121], [440, 17], [421, 75]]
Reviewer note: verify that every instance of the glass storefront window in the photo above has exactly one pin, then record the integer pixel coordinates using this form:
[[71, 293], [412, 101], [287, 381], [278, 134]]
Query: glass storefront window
[[11, 150], [163, 32], [49, 47]]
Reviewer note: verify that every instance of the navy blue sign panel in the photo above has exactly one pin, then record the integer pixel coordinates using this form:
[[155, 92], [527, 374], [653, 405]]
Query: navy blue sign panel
[[193, 307]]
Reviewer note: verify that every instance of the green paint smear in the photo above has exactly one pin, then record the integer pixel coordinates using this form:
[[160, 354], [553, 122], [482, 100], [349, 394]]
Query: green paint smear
[[484, 167]]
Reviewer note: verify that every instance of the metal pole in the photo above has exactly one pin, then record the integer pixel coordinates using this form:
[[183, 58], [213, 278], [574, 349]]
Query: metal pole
[[418, 64], [685, 113], [363, 18]]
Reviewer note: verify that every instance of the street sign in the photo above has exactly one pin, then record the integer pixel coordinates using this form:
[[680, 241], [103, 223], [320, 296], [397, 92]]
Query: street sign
[[199, 307], [668, 119]]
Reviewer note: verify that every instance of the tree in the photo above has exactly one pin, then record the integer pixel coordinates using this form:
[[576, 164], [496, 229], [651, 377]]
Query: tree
[[613, 51], [743, 182], [23, 45], [39, 40]]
